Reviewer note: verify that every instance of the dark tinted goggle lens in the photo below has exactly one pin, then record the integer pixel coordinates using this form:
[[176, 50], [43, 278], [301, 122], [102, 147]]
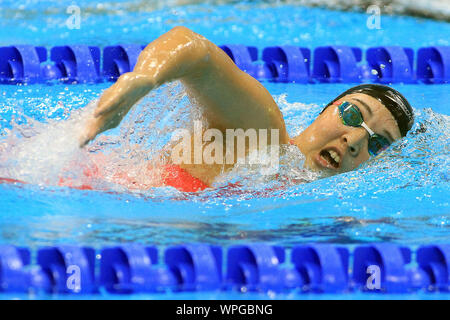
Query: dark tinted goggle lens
[[377, 144], [351, 116]]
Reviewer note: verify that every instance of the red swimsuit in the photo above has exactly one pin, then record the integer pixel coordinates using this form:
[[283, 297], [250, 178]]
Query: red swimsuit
[[173, 175], [182, 180]]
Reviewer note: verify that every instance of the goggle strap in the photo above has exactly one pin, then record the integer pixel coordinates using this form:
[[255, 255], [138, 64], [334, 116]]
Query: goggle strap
[[364, 125]]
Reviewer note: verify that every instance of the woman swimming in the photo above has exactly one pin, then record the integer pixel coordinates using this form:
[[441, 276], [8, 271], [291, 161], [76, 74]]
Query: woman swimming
[[359, 123]]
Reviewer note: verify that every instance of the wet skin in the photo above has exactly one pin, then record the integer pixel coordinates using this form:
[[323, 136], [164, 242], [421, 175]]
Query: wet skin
[[231, 99], [328, 133]]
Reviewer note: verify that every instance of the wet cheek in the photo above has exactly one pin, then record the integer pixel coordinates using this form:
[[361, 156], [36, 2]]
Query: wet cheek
[[312, 138], [352, 164], [360, 160]]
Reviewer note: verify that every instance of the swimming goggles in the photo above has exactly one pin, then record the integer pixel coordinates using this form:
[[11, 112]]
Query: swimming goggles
[[351, 116]]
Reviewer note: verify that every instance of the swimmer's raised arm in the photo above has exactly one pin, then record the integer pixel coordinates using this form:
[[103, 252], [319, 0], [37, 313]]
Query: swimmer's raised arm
[[229, 97]]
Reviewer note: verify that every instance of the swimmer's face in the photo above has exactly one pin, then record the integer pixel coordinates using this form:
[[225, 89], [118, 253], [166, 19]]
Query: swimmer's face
[[328, 137]]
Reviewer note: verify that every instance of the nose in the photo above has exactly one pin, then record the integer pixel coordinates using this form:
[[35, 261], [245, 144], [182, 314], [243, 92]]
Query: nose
[[354, 140]]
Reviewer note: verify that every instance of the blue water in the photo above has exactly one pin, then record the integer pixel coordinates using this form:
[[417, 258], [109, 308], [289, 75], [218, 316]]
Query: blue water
[[401, 196]]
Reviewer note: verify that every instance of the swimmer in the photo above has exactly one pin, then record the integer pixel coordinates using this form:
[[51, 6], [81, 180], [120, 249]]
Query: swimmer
[[360, 123]]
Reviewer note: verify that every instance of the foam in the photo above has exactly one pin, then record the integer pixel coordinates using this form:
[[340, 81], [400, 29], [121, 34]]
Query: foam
[[42, 153]]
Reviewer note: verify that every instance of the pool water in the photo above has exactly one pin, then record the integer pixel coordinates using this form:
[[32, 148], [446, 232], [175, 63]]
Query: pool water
[[400, 196]]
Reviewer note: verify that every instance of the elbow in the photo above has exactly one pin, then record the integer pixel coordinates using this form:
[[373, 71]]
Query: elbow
[[182, 31], [197, 47]]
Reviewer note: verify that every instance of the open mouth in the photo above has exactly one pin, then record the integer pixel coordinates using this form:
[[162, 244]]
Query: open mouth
[[331, 157]]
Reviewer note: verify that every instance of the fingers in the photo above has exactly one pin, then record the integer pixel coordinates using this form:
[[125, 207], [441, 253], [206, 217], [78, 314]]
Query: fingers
[[84, 140], [88, 135], [101, 123], [112, 107]]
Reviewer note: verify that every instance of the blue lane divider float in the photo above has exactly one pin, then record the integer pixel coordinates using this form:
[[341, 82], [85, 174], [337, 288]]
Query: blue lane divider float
[[133, 268], [21, 64], [255, 267], [337, 64], [391, 64], [76, 63], [13, 262], [288, 63], [195, 266], [69, 269], [331, 64], [322, 267], [388, 260], [16, 273], [434, 266], [318, 268], [119, 59], [433, 64]]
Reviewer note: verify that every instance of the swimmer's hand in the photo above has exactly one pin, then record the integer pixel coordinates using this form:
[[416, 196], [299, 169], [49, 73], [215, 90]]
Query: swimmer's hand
[[115, 103]]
